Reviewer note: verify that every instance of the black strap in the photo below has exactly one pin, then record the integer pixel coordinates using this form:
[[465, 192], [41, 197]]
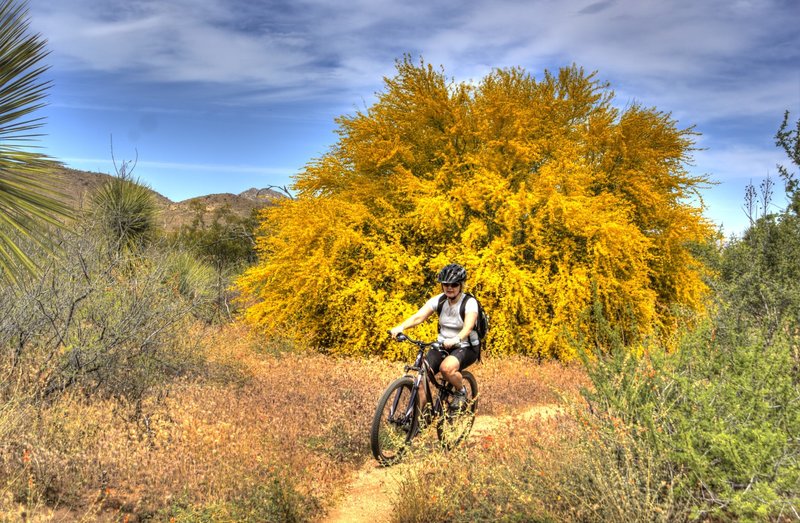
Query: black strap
[[463, 309], [440, 305]]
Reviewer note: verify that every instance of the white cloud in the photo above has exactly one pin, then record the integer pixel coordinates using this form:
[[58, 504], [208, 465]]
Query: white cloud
[[739, 163], [316, 46], [173, 42]]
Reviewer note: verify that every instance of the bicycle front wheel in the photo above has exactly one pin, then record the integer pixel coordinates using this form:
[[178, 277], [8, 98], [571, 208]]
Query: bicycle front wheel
[[395, 422], [453, 427]]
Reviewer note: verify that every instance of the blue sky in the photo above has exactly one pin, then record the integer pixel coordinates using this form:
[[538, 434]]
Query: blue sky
[[224, 95]]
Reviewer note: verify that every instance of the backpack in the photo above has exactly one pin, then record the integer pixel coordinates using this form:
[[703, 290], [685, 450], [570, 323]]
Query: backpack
[[481, 324]]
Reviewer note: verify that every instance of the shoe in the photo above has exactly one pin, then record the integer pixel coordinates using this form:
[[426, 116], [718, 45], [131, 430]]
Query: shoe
[[459, 400]]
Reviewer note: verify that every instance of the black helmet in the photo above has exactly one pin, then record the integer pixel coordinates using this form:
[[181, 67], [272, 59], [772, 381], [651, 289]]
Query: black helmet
[[453, 273]]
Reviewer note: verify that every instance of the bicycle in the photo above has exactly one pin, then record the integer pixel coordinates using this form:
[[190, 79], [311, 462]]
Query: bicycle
[[397, 417]]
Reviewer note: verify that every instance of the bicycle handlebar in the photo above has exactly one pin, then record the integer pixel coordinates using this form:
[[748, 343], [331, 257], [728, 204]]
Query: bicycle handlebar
[[421, 344]]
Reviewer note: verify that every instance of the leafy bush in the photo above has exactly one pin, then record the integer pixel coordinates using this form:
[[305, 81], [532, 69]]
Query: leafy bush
[[223, 241], [718, 419]]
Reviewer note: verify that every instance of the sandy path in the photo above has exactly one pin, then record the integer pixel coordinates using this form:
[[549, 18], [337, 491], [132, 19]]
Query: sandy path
[[369, 496]]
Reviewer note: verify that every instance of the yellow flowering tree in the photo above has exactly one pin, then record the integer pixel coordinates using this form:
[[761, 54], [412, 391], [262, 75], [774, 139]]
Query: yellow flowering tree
[[554, 200]]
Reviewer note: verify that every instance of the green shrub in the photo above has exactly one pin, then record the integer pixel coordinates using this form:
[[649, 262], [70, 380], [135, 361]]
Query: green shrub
[[126, 212], [718, 420], [225, 242]]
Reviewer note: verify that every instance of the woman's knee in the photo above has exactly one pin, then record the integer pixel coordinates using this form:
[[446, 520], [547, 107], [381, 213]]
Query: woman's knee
[[449, 366]]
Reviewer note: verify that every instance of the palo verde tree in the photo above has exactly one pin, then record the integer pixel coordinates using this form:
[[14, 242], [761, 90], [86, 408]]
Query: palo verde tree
[[554, 200]]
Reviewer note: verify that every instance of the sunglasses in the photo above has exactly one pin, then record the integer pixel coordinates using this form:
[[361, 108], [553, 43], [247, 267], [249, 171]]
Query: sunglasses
[[452, 285]]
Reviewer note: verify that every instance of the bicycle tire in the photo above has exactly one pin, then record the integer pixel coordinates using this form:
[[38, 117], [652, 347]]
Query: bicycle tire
[[392, 427], [453, 428]]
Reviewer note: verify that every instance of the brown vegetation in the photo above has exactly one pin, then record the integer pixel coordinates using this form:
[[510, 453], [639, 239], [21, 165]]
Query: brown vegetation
[[260, 432]]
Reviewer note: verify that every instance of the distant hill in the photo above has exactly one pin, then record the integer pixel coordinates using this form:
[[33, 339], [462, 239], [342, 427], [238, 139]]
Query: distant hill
[[78, 185]]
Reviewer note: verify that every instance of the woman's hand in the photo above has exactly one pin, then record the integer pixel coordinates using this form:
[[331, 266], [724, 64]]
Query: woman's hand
[[449, 343]]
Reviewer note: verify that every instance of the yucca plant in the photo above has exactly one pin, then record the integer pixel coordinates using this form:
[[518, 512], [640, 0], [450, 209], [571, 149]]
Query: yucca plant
[[126, 210], [28, 199]]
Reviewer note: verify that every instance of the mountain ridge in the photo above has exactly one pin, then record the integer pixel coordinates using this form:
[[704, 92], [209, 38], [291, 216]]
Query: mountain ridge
[[77, 186]]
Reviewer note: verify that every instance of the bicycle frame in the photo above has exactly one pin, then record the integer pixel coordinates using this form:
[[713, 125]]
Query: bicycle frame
[[424, 376]]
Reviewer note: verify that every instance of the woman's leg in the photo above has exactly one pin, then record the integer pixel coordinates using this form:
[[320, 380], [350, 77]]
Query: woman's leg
[[450, 370], [460, 358]]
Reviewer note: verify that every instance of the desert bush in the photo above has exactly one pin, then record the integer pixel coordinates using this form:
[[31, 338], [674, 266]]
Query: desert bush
[[105, 323], [737, 421], [224, 241], [717, 420]]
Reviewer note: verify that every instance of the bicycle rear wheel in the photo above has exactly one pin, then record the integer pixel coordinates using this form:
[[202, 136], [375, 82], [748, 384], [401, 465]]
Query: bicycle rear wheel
[[395, 423], [454, 427]]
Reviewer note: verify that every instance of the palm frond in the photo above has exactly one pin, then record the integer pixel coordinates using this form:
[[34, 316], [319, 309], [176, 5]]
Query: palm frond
[[29, 198]]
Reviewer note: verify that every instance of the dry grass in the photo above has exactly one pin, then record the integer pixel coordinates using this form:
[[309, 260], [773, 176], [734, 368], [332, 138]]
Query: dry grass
[[293, 419], [249, 434], [514, 383], [556, 468]]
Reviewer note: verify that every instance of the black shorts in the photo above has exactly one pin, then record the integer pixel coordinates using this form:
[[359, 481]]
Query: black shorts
[[466, 356]]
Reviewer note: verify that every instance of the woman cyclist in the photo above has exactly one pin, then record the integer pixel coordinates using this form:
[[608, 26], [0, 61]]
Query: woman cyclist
[[457, 335]]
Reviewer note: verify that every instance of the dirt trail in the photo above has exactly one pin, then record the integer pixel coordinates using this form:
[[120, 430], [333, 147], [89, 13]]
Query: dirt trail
[[369, 496]]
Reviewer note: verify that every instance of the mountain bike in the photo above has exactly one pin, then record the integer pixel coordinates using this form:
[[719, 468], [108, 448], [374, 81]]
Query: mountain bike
[[398, 418]]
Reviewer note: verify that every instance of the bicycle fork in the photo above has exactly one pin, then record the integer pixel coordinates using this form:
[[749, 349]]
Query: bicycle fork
[[407, 415]]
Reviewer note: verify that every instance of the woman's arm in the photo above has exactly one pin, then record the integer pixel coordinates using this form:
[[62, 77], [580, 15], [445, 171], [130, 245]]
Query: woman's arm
[[412, 321]]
